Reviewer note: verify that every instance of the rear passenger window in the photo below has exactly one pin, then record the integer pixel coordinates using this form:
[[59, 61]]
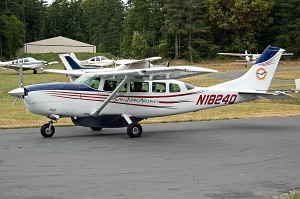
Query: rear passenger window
[[139, 87], [158, 87], [174, 88]]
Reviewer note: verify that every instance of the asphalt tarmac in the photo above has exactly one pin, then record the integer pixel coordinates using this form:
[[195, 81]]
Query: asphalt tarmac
[[244, 158]]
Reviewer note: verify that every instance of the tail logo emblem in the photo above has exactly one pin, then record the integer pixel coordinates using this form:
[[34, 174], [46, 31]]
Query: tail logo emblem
[[261, 74]]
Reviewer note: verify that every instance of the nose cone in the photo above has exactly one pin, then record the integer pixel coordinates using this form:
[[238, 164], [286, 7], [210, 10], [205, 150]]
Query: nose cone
[[18, 92]]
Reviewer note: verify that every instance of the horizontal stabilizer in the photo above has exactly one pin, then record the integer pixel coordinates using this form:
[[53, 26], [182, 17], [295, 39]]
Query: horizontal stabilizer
[[276, 95]]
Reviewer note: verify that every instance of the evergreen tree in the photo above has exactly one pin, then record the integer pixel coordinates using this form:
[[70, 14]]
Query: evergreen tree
[[139, 48], [286, 25], [12, 35], [238, 23], [103, 23]]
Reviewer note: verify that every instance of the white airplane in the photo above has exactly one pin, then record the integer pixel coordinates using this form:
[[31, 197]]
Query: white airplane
[[248, 57], [27, 63], [98, 61], [74, 69], [113, 99]]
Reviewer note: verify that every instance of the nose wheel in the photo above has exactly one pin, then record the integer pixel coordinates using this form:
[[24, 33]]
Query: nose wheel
[[47, 130]]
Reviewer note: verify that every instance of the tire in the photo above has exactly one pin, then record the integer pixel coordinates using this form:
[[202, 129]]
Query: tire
[[34, 71], [46, 131], [134, 130], [96, 129]]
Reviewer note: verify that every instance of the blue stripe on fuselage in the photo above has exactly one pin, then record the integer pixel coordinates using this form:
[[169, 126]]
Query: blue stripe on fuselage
[[58, 86], [268, 53]]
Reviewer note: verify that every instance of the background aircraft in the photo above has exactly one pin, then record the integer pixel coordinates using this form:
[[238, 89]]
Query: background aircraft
[[98, 61], [248, 57], [111, 99], [27, 63], [73, 69]]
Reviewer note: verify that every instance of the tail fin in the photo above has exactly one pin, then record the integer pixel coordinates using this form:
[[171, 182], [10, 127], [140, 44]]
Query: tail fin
[[69, 62], [74, 56], [259, 76]]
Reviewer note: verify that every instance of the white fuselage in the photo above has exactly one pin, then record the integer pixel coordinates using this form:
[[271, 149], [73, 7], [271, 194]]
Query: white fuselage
[[152, 103]]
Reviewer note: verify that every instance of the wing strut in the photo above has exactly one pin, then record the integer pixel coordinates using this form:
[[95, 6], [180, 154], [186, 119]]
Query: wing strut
[[113, 94]]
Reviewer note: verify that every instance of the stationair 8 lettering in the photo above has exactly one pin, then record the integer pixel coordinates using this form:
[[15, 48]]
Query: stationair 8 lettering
[[216, 99]]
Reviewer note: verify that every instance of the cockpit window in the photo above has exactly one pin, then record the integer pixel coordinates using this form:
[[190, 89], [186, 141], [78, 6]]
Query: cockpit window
[[90, 80], [188, 86]]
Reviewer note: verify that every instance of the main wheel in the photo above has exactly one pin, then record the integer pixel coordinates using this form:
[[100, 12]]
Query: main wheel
[[34, 71], [96, 129], [134, 130], [47, 131]]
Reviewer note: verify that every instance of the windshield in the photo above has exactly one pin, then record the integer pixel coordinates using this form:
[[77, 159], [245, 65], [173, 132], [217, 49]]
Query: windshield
[[90, 80]]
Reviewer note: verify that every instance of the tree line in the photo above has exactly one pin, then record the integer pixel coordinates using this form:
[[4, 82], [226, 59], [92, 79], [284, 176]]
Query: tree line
[[175, 29]]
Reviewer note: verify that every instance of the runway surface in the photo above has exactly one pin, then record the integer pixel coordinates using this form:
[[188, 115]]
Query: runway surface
[[244, 158]]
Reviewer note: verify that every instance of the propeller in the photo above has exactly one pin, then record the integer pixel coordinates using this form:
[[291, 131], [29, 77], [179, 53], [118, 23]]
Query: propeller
[[19, 92]]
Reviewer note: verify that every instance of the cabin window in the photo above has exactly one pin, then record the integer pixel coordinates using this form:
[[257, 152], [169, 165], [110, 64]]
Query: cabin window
[[110, 85], [139, 87], [158, 87], [92, 59], [26, 60], [124, 89], [188, 86], [98, 59], [174, 88]]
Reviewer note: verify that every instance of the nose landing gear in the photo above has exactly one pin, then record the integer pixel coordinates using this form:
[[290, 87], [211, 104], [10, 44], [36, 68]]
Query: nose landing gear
[[48, 130]]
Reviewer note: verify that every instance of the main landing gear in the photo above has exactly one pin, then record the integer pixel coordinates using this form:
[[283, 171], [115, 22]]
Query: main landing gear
[[134, 129], [48, 130]]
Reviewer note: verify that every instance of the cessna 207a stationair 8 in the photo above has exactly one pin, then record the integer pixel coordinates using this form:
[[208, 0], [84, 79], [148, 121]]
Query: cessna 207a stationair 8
[[123, 98]]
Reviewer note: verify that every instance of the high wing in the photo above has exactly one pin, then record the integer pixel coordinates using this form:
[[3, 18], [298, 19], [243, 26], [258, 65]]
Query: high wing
[[238, 54], [132, 61], [151, 73], [157, 73]]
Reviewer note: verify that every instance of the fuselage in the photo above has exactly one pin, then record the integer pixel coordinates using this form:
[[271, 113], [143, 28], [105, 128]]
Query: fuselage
[[154, 99]]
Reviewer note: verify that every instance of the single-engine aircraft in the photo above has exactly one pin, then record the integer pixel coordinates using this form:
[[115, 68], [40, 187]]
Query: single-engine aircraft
[[123, 98], [28, 63], [98, 61], [248, 57]]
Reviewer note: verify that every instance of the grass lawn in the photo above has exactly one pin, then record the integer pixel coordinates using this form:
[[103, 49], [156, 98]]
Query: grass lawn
[[16, 117]]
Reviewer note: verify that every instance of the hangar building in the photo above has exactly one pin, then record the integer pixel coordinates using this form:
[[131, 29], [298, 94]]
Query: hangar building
[[57, 45]]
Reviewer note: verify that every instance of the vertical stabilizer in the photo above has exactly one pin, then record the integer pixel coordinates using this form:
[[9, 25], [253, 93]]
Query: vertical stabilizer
[[69, 63], [259, 76]]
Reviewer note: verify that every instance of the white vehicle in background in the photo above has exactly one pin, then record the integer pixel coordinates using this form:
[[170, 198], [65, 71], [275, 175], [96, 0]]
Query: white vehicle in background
[[248, 57], [28, 63], [97, 61]]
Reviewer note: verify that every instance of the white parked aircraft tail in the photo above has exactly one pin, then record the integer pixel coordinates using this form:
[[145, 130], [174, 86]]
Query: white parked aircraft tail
[[260, 75], [69, 63]]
